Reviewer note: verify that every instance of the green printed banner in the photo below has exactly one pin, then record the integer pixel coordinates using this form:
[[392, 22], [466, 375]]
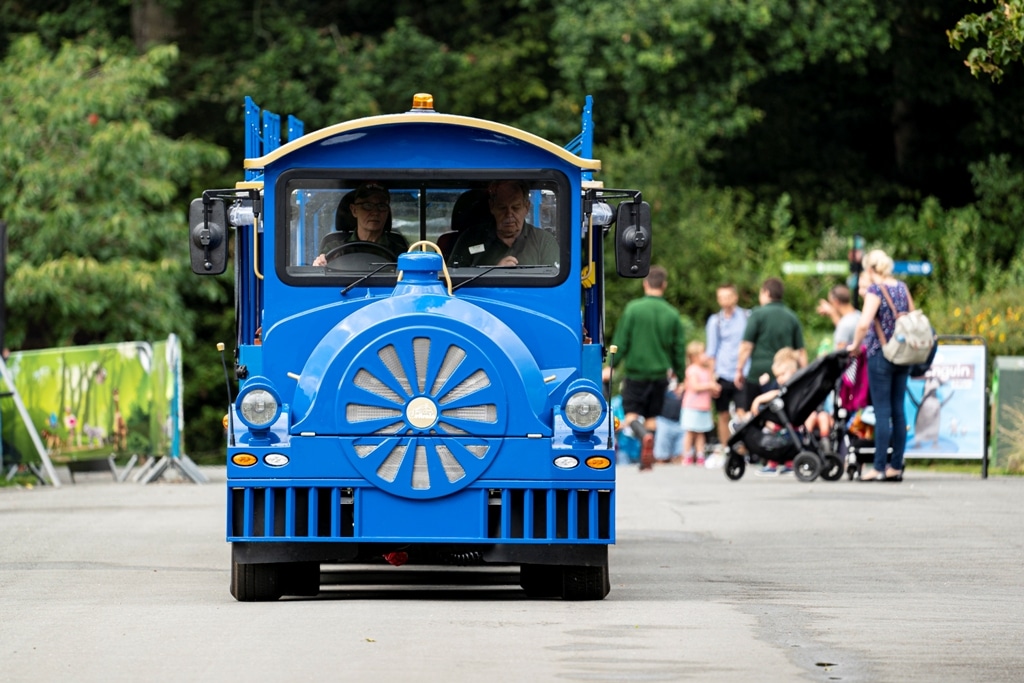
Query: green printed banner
[[90, 401]]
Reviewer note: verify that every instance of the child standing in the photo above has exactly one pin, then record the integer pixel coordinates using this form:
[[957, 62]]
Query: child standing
[[699, 387], [668, 435]]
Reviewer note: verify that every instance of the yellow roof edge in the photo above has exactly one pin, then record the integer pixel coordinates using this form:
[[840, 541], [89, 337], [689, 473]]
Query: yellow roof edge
[[442, 119]]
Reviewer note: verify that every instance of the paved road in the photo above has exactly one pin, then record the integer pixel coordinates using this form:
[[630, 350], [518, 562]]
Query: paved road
[[756, 580]]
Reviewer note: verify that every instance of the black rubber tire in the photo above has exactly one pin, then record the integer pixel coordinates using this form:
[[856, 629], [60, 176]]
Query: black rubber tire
[[735, 466], [833, 469], [807, 466], [585, 583], [541, 580], [256, 582], [300, 578]]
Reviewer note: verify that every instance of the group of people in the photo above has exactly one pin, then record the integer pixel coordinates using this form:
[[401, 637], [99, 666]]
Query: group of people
[[749, 354]]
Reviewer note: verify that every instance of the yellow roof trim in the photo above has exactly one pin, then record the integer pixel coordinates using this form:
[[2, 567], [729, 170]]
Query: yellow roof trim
[[441, 119]]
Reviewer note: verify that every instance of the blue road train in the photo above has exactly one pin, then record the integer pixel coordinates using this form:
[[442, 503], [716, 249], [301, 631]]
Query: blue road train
[[420, 335]]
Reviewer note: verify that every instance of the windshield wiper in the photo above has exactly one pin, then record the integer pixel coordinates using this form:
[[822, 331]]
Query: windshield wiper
[[488, 269], [368, 275]]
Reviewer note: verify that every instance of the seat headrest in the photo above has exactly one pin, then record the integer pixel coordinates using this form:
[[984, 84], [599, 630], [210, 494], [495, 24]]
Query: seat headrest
[[471, 208]]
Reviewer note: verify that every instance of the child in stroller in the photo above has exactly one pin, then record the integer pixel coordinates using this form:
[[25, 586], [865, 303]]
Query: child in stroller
[[772, 433]]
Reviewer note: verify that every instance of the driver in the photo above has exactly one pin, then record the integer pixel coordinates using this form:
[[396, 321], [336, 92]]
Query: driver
[[371, 206], [509, 240]]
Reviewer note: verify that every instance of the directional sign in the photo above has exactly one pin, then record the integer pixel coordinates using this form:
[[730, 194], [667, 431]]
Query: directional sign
[[912, 268], [815, 267]]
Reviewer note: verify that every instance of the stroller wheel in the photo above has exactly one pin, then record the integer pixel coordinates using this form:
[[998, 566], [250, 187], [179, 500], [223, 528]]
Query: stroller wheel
[[735, 466], [833, 470], [807, 466]]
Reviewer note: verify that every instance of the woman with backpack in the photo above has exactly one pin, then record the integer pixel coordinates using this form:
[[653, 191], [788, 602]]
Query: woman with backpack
[[886, 297]]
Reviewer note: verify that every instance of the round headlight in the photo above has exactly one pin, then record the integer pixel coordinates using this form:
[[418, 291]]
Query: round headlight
[[259, 407], [583, 410]]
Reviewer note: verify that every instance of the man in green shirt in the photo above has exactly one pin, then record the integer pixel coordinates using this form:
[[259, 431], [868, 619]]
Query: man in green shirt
[[770, 327], [650, 341]]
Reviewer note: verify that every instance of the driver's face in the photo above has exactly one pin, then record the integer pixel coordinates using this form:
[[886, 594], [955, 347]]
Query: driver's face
[[509, 208], [371, 214]]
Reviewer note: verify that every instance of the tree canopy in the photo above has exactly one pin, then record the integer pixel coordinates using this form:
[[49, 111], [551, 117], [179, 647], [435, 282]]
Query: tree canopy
[[760, 130]]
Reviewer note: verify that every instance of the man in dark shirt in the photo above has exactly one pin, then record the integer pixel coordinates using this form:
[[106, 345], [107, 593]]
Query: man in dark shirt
[[510, 240], [770, 327]]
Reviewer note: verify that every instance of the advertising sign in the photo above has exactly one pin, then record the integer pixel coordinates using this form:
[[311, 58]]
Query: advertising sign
[[90, 401], [946, 408]]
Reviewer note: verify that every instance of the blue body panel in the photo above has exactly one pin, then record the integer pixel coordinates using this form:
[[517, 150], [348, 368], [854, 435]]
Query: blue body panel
[[410, 414]]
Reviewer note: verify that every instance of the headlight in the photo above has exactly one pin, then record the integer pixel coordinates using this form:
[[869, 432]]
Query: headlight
[[258, 404], [259, 407], [583, 410]]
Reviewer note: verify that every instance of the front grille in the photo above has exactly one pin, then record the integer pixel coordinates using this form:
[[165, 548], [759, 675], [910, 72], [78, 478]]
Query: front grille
[[292, 512], [550, 514], [324, 513]]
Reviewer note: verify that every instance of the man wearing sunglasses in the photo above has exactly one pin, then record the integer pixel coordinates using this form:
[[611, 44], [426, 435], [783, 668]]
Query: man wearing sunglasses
[[371, 207]]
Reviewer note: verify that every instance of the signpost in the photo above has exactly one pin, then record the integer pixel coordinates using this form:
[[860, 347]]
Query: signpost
[[852, 268], [912, 268], [815, 267]]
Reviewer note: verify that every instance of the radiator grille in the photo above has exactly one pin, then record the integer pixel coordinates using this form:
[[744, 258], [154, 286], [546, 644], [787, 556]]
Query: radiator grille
[[508, 514], [292, 512], [550, 514]]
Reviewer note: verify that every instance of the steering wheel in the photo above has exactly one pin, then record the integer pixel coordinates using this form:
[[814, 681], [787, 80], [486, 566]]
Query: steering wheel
[[360, 247]]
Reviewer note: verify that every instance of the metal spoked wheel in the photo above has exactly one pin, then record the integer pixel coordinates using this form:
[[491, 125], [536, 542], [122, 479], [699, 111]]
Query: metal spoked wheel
[[807, 466]]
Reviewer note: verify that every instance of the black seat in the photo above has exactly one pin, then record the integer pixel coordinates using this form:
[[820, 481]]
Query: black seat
[[471, 209]]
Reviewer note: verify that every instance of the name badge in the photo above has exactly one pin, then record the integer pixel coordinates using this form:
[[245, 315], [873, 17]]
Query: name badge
[[476, 249]]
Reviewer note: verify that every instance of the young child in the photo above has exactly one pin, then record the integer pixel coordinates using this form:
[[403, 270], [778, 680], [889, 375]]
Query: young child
[[668, 434], [699, 386], [784, 365]]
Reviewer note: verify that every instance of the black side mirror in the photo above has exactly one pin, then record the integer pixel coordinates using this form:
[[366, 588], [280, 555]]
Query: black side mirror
[[208, 244], [633, 239]]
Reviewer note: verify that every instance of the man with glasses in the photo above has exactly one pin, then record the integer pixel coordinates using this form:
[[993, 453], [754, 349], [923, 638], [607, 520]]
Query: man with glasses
[[371, 208], [509, 240]]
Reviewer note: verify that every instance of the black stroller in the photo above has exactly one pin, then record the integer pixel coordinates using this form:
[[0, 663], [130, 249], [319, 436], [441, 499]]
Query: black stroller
[[797, 399]]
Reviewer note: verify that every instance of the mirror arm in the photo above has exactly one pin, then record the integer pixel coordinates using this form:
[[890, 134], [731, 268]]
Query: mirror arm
[[209, 197]]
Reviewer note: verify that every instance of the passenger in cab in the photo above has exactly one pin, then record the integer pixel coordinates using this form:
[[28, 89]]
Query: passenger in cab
[[509, 240], [370, 205]]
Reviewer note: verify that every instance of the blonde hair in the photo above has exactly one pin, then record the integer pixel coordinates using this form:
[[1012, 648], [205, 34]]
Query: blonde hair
[[785, 357], [694, 349], [878, 261]]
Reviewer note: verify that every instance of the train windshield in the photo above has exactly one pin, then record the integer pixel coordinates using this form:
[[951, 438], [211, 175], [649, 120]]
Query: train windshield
[[489, 230]]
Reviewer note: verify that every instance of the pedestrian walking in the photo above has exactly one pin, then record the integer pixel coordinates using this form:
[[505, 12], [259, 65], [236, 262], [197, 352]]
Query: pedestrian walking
[[651, 341]]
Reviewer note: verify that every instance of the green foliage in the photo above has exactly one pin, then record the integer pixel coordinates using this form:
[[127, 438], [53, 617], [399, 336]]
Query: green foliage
[[648, 57], [761, 132], [1001, 34], [90, 190]]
